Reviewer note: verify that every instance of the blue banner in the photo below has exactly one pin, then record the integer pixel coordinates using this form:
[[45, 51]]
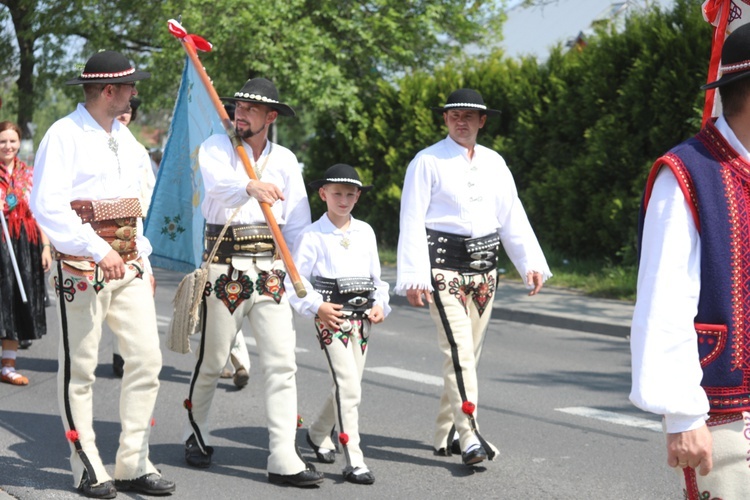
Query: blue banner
[[175, 224]]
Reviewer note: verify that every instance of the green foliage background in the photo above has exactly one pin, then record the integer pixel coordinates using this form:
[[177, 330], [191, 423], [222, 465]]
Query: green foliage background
[[579, 131]]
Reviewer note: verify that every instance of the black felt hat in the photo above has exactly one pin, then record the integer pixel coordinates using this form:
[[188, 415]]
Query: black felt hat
[[108, 66], [341, 173], [261, 91], [466, 99], [735, 58]]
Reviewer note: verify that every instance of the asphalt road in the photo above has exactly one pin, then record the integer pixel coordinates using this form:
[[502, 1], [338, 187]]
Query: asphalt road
[[553, 400]]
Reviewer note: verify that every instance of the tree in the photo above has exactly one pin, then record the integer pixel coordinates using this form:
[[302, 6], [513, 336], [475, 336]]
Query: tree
[[50, 36]]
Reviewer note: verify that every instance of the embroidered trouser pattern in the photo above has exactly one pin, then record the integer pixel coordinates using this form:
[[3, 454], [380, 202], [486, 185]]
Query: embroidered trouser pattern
[[234, 296], [460, 313], [127, 305], [730, 476], [346, 354]]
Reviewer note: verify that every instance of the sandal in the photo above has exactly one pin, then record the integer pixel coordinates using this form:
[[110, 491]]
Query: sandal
[[12, 377]]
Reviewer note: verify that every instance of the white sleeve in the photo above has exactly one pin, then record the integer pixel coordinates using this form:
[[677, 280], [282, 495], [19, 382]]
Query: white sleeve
[[666, 371], [221, 182], [304, 256], [381, 297], [413, 259], [51, 196]]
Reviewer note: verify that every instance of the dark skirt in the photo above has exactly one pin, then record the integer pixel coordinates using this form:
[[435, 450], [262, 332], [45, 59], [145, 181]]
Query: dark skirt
[[19, 320]]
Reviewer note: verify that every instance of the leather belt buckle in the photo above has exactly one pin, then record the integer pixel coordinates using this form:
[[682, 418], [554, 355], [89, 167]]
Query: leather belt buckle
[[482, 255], [257, 247], [357, 301], [480, 265]]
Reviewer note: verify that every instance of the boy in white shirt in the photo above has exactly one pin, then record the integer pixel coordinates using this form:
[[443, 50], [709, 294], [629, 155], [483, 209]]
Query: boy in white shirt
[[339, 255]]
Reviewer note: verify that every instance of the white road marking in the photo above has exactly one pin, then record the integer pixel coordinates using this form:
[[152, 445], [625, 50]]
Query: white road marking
[[407, 375], [612, 417]]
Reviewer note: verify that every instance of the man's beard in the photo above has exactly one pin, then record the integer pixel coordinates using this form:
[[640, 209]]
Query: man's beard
[[248, 132]]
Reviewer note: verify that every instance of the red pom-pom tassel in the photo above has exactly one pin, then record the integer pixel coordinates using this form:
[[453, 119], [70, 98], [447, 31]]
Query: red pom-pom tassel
[[188, 404], [153, 421], [72, 436], [343, 438], [468, 407], [300, 421]]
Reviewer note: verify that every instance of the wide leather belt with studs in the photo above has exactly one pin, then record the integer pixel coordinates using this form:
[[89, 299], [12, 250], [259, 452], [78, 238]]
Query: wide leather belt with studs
[[461, 254], [355, 294], [242, 241], [114, 220]]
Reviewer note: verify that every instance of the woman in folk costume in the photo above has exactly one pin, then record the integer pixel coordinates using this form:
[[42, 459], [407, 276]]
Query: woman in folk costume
[[339, 254], [19, 320]]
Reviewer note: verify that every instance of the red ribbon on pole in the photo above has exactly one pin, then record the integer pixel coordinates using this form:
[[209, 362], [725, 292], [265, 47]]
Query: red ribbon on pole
[[712, 10]]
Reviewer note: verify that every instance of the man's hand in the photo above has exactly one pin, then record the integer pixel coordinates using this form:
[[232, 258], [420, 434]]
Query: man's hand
[[376, 314], [330, 314], [536, 280], [414, 296], [691, 449], [264, 192], [112, 266]]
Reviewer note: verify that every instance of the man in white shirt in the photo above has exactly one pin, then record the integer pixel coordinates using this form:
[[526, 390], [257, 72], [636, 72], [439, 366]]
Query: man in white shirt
[[690, 328], [246, 278], [458, 204], [85, 197]]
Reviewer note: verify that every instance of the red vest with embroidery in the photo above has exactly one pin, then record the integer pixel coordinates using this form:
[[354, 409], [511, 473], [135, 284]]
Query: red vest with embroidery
[[716, 183]]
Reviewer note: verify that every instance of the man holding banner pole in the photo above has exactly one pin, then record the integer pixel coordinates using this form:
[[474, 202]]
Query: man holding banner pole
[[246, 277]]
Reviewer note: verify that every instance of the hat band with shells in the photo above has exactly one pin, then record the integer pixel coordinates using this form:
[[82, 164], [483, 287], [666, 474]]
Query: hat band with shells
[[109, 75], [343, 180], [465, 105], [255, 97]]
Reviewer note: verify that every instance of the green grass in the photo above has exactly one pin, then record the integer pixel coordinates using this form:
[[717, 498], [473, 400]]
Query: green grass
[[599, 278]]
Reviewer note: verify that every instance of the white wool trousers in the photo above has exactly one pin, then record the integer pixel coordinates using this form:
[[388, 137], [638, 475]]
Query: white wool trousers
[[254, 290], [85, 301], [345, 353], [461, 310], [730, 477]]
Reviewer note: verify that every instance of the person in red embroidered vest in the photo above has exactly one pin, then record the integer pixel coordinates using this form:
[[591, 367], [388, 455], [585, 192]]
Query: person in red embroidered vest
[[86, 198], [691, 329], [31, 249]]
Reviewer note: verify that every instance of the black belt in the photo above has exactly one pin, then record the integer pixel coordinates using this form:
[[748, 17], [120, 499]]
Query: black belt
[[241, 241], [355, 294], [461, 254]]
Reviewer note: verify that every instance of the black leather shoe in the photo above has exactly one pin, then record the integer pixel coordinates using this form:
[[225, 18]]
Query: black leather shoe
[[302, 479], [24, 344], [149, 484], [474, 456], [363, 478], [455, 449], [101, 490], [194, 456], [327, 457], [118, 365]]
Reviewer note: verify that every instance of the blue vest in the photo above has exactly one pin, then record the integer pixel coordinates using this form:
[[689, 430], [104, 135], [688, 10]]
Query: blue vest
[[716, 183]]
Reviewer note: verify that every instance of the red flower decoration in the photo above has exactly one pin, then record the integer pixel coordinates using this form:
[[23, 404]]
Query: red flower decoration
[[300, 421], [82, 286], [343, 438], [188, 404], [468, 407], [72, 436]]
